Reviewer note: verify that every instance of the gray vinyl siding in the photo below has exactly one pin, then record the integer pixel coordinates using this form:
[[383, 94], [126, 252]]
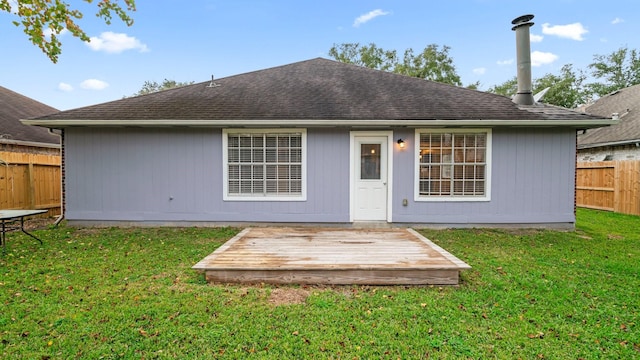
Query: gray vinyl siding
[[532, 181], [176, 175]]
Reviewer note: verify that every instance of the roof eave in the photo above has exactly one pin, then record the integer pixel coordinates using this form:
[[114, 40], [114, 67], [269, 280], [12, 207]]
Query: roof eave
[[578, 124], [30, 143], [609, 143]]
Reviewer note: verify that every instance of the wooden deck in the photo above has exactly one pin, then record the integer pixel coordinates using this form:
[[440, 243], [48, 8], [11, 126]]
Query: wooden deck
[[331, 256]]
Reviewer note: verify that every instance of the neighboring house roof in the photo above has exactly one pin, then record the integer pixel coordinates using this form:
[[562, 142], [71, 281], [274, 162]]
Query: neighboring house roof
[[14, 107], [317, 92], [624, 102]]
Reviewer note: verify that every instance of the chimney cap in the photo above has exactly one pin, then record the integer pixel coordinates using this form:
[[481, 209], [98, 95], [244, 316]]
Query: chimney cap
[[522, 19]]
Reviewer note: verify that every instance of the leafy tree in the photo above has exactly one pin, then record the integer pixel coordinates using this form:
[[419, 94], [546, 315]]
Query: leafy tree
[[38, 18], [369, 56], [152, 86], [566, 89], [432, 63], [619, 70], [507, 88], [474, 86]]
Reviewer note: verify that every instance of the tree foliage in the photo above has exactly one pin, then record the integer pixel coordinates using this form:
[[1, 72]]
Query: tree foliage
[[152, 86], [433, 63], [566, 89], [507, 88], [44, 20], [618, 70]]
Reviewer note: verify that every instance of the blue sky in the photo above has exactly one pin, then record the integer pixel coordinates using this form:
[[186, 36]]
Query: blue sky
[[192, 40]]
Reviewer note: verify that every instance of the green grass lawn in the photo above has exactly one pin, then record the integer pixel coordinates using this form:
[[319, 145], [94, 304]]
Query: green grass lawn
[[131, 293]]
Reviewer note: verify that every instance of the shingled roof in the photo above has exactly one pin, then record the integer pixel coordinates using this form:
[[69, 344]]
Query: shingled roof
[[624, 102], [312, 92], [14, 107]]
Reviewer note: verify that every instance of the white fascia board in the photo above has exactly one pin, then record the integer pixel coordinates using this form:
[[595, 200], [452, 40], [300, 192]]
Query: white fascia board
[[578, 124]]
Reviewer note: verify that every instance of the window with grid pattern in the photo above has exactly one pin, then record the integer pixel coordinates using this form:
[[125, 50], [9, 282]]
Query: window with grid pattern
[[264, 164], [453, 164]]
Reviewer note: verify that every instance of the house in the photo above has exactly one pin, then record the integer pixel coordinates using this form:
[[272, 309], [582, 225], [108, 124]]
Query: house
[[17, 137], [617, 142], [320, 141]]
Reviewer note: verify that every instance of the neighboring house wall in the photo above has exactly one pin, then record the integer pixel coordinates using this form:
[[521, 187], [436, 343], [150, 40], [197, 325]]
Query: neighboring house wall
[[173, 175], [610, 153]]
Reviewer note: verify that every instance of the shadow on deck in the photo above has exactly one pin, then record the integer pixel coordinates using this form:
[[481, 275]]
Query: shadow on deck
[[331, 256]]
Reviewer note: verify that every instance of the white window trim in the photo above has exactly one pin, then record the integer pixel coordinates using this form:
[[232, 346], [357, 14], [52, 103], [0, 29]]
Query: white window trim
[[225, 166], [416, 172]]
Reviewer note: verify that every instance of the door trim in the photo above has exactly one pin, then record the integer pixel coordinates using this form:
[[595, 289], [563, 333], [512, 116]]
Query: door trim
[[352, 170]]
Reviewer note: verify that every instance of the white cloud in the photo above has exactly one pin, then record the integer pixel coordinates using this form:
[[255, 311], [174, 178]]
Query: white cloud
[[570, 31], [65, 87], [505, 62], [115, 43], [539, 58], [479, 71], [94, 84], [617, 21], [369, 16], [535, 38]]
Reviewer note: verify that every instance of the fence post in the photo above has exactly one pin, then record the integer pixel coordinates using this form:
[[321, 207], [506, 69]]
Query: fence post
[[32, 186]]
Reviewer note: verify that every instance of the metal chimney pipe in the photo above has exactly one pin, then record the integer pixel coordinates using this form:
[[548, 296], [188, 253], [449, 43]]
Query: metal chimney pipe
[[521, 26]]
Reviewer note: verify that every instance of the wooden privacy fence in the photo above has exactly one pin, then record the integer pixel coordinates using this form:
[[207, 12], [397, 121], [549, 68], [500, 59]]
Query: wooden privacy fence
[[30, 181], [609, 185]]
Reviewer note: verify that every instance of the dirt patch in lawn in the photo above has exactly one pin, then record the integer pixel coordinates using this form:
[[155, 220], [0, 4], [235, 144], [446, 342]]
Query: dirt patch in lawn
[[288, 296]]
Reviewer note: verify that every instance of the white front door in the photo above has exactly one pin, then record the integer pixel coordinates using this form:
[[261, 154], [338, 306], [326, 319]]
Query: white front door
[[370, 178]]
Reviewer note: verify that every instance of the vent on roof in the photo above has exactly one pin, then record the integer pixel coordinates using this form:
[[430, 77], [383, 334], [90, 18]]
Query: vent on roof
[[213, 83], [521, 26]]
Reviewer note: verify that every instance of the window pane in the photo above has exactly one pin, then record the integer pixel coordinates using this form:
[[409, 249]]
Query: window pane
[[296, 172], [370, 161], [233, 141], [234, 172], [245, 187], [234, 187], [296, 155], [234, 155], [245, 141], [283, 141], [272, 186], [258, 141], [271, 141], [283, 155], [245, 172], [296, 186], [271, 155], [258, 155], [272, 172], [245, 155]]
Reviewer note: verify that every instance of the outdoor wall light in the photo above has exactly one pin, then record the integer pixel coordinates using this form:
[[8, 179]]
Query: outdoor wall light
[[401, 143]]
